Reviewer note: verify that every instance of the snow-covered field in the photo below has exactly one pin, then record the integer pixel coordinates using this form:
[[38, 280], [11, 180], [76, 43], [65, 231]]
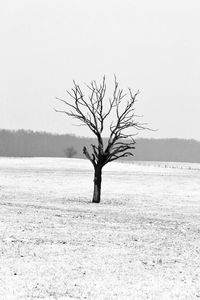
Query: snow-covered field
[[141, 242]]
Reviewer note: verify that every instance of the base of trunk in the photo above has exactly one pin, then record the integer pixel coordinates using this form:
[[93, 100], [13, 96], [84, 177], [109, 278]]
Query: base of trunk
[[97, 185]]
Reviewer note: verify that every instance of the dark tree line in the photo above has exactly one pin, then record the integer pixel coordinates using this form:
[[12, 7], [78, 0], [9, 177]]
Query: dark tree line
[[28, 143], [40, 144]]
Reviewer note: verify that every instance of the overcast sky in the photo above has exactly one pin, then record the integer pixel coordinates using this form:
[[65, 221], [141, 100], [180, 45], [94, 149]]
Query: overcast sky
[[153, 46]]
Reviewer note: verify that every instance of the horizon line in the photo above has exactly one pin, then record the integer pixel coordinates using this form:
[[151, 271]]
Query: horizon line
[[90, 137]]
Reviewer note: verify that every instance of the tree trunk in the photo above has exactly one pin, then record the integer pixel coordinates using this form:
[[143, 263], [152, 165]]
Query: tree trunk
[[97, 184]]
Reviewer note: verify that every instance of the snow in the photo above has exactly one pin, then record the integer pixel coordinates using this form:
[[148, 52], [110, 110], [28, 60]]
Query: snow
[[141, 242]]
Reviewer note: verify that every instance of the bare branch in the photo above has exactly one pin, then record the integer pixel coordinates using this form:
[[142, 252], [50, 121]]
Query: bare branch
[[91, 112], [91, 158]]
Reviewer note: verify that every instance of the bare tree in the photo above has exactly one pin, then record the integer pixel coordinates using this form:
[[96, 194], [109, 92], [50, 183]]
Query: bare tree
[[70, 152], [93, 112]]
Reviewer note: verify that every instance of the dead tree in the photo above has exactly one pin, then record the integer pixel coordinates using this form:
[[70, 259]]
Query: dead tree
[[93, 112]]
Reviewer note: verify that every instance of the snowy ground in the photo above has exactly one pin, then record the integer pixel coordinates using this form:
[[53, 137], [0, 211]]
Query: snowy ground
[[141, 242]]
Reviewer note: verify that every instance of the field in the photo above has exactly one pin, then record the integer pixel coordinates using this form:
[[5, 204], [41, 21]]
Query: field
[[141, 242]]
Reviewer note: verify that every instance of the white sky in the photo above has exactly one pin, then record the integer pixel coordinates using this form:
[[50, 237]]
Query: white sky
[[153, 46]]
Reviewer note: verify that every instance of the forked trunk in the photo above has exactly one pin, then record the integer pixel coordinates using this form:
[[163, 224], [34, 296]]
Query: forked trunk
[[97, 184]]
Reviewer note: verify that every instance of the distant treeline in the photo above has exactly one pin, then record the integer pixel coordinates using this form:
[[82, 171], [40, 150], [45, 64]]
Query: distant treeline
[[22, 143]]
